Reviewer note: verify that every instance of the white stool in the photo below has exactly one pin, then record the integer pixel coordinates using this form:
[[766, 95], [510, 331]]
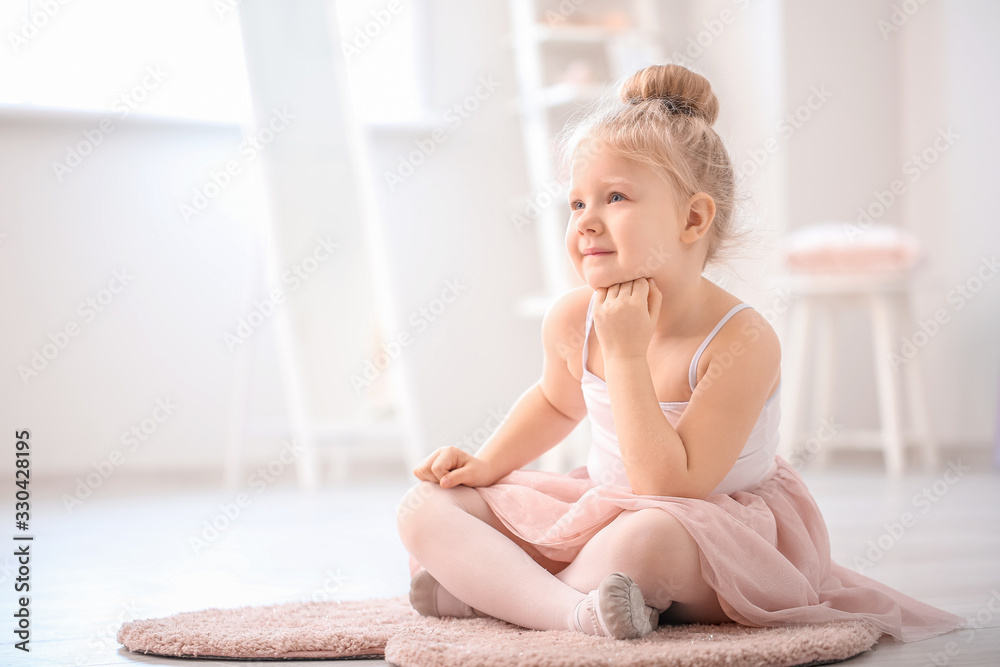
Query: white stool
[[887, 295]]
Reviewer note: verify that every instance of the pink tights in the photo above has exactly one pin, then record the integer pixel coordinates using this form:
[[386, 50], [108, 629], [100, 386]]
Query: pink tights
[[458, 539]]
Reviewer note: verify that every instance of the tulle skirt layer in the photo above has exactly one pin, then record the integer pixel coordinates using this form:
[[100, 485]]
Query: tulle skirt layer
[[765, 551]]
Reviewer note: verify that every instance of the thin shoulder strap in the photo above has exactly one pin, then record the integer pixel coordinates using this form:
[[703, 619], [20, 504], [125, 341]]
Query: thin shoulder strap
[[693, 371], [586, 335]]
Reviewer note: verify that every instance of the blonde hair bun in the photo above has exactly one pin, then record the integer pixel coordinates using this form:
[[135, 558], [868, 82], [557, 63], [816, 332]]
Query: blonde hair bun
[[681, 91]]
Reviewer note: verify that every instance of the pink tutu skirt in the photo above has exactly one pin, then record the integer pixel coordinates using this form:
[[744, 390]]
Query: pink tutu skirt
[[765, 551]]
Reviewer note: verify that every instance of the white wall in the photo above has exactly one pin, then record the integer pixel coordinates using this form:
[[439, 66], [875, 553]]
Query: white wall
[[890, 90], [161, 336], [893, 89], [313, 193], [953, 209], [450, 220]]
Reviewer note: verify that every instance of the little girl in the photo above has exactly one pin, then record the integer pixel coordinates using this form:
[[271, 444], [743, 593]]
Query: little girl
[[683, 513]]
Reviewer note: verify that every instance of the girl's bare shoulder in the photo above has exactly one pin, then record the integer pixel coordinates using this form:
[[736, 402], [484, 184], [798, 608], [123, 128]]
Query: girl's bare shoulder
[[564, 325]]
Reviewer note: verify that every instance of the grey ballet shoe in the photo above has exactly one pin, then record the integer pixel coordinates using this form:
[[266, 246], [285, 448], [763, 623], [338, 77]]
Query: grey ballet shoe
[[424, 599], [617, 609]]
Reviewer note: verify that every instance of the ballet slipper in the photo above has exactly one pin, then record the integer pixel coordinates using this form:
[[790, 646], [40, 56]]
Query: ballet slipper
[[616, 609], [424, 591]]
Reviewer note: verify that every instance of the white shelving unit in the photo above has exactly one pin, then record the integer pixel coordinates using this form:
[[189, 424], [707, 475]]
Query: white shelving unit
[[564, 60], [567, 53], [396, 428]]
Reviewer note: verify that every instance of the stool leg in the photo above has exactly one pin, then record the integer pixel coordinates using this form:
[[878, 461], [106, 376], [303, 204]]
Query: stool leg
[[915, 397], [824, 383], [792, 375], [340, 455], [888, 394]]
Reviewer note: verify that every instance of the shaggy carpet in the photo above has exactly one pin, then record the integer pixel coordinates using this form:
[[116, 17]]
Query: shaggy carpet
[[390, 628]]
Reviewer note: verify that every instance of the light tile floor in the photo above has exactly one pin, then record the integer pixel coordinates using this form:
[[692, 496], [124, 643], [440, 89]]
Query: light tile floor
[[128, 552]]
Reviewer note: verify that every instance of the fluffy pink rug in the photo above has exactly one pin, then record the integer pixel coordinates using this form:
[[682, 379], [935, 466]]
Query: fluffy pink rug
[[390, 628]]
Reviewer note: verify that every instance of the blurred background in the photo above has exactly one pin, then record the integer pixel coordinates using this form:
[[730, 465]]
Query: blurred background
[[339, 224], [259, 257]]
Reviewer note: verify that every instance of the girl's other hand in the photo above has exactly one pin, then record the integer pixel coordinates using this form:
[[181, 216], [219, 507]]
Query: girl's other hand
[[451, 466]]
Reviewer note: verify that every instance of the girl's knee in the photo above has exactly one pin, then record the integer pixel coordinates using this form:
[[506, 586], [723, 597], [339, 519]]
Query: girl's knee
[[425, 506], [412, 509], [670, 554], [655, 531]]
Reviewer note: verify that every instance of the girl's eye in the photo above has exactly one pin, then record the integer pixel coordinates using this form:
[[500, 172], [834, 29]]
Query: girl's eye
[[573, 205], [616, 194]]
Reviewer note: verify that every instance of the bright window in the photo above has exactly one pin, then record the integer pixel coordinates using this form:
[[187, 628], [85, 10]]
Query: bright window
[[381, 41], [178, 58]]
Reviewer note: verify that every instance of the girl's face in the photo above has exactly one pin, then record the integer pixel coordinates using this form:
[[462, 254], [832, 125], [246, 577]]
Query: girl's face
[[624, 222]]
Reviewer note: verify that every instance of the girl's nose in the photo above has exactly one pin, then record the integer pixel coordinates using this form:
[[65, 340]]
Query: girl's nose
[[587, 221]]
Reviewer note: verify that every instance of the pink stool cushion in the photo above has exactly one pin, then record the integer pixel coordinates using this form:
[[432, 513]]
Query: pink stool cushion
[[833, 247]]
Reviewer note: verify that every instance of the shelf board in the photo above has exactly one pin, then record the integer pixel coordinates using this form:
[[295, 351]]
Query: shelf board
[[567, 93], [355, 429], [73, 115], [577, 34], [423, 125]]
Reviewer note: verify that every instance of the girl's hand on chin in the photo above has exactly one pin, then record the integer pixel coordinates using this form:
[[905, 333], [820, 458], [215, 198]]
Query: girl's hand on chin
[[625, 316]]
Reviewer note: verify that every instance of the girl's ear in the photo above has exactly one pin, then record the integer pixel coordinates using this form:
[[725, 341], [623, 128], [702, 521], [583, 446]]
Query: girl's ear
[[700, 214]]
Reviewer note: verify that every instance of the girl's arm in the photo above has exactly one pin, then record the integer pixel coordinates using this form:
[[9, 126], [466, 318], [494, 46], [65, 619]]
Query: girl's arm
[[691, 460], [533, 427], [543, 415]]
